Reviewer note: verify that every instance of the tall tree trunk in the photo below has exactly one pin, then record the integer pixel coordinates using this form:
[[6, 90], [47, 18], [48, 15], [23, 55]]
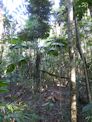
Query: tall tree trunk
[[90, 9], [1, 23], [72, 45], [37, 70], [1, 36], [78, 44]]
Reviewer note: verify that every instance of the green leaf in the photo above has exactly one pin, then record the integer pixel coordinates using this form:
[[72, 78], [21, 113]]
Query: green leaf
[[10, 107], [22, 62], [10, 68], [1, 117], [87, 108], [17, 46], [87, 111], [58, 44], [53, 52], [3, 90], [15, 41], [3, 83]]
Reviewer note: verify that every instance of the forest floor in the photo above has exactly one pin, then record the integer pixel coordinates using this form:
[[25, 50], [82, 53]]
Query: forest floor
[[51, 105]]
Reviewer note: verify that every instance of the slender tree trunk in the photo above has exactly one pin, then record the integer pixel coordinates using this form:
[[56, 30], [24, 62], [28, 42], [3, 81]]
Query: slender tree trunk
[[71, 45], [37, 69], [90, 9], [1, 36], [78, 44], [1, 56]]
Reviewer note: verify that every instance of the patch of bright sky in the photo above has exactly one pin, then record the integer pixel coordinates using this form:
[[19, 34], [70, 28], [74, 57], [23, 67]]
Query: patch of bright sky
[[56, 4], [54, 8], [17, 9]]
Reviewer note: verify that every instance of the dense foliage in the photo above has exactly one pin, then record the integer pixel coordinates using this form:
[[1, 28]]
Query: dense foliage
[[37, 60]]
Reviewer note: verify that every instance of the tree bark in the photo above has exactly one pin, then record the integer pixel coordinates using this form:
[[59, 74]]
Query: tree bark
[[90, 9], [78, 44], [37, 71], [54, 75], [71, 45]]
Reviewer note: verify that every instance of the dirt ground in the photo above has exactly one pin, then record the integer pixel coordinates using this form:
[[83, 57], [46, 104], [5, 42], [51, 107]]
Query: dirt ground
[[51, 104]]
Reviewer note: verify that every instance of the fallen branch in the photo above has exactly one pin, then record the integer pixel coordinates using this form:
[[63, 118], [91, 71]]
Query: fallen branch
[[54, 75]]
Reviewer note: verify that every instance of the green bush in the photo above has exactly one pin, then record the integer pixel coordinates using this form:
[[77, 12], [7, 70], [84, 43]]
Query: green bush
[[18, 112]]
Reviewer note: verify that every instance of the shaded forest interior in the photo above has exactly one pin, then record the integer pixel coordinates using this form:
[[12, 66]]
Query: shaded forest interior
[[46, 61]]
